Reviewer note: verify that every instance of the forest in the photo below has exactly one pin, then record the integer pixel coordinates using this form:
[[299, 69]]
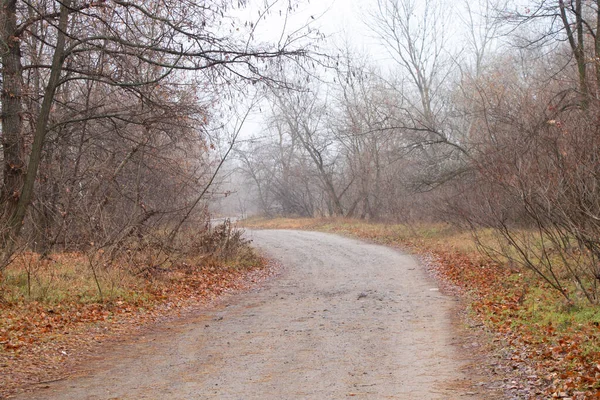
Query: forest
[[497, 134], [110, 134], [122, 122]]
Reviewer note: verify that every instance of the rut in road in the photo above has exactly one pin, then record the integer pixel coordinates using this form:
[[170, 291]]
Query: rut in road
[[344, 318]]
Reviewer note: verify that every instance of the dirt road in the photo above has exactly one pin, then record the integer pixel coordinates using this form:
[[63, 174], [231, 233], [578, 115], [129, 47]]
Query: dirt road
[[344, 319]]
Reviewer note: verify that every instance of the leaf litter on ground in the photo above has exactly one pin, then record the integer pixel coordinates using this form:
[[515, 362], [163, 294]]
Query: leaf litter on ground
[[42, 342]]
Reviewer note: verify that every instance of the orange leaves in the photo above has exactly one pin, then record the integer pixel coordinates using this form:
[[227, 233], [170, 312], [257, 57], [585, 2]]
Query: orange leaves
[[497, 295], [38, 339]]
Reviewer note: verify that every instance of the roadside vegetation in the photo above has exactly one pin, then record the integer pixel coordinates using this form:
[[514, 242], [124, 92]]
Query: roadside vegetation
[[116, 119], [55, 309], [558, 340]]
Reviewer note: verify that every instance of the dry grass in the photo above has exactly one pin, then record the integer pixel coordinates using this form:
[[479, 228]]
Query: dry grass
[[429, 235], [65, 277], [52, 311]]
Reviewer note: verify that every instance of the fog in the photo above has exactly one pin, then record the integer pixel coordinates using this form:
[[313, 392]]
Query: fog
[[135, 124]]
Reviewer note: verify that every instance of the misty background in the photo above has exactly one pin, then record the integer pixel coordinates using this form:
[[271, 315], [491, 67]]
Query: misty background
[[129, 126]]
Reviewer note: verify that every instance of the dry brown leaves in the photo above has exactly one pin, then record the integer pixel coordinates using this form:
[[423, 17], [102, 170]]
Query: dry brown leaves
[[564, 368], [41, 343]]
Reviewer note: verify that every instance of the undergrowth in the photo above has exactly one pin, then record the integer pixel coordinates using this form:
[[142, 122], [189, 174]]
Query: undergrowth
[[51, 304]]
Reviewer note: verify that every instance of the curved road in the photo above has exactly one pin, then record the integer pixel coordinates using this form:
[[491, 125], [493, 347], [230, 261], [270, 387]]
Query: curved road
[[344, 319]]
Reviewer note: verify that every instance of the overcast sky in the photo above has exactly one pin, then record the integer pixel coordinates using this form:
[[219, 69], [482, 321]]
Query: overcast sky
[[339, 20]]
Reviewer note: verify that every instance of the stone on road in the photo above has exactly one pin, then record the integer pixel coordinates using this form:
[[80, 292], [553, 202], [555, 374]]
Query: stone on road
[[344, 319]]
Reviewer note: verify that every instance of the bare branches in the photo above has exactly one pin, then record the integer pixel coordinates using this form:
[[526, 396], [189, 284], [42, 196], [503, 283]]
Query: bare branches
[[106, 110]]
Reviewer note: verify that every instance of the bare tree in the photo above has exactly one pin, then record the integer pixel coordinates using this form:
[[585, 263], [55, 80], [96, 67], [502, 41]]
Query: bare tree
[[55, 53], [414, 33], [550, 23], [303, 116]]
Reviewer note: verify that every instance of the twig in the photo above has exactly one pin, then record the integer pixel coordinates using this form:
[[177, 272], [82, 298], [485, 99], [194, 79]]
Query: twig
[[51, 380]]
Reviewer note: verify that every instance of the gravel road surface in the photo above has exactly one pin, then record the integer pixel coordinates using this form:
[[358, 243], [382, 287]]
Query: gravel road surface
[[343, 319]]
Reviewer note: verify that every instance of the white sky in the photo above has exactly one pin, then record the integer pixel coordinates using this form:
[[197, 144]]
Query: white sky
[[339, 20]]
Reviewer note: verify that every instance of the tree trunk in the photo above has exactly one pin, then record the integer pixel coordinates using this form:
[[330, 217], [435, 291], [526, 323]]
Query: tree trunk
[[597, 53], [17, 214], [12, 123], [577, 46]]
